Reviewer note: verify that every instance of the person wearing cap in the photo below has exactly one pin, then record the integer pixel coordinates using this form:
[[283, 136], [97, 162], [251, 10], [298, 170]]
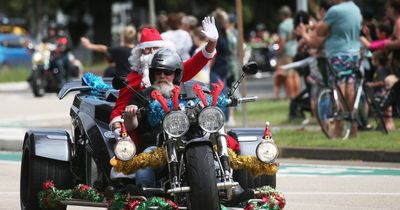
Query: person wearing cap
[[119, 55], [138, 79]]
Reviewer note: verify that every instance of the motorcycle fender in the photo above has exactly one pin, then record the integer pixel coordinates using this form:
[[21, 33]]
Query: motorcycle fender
[[248, 139], [50, 143], [201, 140]]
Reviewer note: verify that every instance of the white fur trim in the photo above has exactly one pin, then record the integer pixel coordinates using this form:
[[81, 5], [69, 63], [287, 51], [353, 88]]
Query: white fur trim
[[157, 43], [207, 54], [114, 120]]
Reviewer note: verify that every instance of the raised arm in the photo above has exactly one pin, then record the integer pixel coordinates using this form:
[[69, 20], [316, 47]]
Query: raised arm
[[95, 47], [194, 64]]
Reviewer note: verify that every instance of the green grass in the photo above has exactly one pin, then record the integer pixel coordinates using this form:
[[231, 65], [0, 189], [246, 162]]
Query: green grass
[[20, 74], [371, 140], [289, 134], [276, 112], [14, 74]]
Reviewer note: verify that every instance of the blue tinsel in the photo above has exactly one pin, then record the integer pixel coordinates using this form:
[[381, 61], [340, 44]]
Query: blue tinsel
[[96, 83], [156, 113]]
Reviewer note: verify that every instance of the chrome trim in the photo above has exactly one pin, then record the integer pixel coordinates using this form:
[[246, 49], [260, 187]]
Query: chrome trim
[[247, 138]]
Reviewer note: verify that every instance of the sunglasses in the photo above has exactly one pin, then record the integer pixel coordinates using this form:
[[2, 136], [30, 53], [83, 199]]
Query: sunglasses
[[165, 71]]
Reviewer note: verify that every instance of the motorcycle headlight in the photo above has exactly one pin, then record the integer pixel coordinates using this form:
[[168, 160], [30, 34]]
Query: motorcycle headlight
[[211, 119], [267, 151], [37, 58], [125, 149], [176, 124]]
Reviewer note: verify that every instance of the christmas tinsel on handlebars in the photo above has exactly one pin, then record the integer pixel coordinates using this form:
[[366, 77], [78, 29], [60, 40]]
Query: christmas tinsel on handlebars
[[156, 113]]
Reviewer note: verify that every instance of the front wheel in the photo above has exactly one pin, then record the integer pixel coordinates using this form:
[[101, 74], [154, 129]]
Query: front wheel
[[38, 83], [36, 170], [202, 178], [333, 122]]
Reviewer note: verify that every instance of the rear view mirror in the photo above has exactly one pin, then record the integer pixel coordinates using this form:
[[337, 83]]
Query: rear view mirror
[[119, 82], [250, 68]]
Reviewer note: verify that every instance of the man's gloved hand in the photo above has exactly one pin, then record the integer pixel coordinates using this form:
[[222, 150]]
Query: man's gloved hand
[[209, 29]]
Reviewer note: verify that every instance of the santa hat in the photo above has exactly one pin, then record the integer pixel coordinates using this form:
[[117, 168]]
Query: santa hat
[[150, 37]]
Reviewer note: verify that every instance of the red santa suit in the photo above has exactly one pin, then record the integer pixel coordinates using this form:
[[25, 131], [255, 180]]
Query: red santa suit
[[138, 79]]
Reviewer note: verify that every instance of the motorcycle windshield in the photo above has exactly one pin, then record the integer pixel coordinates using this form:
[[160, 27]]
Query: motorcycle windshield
[[187, 90]]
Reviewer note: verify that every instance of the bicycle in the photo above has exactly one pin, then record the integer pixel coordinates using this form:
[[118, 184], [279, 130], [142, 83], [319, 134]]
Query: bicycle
[[333, 110]]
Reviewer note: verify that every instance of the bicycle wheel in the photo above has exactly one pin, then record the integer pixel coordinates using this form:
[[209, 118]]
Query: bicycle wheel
[[375, 109], [331, 119]]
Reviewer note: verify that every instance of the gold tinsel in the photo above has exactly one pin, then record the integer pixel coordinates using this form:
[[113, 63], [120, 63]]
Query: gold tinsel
[[153, 159], [158, 158], [252, 164]]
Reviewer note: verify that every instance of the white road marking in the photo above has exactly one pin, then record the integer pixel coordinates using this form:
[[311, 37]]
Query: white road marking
[[345, 193]]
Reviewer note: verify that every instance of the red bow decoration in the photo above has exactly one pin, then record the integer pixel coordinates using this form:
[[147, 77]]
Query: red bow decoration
[[157, 95], [175, 97], [199, 92], [217, 89]]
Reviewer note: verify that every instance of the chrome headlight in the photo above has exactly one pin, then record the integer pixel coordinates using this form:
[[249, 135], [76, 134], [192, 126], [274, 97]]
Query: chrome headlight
[[211, 119], [267, 151], [37, 58], [125, 149], [176, 124]]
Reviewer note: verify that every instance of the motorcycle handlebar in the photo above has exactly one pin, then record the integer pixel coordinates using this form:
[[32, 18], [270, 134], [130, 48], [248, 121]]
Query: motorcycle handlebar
[[236, 101], [247, 99]]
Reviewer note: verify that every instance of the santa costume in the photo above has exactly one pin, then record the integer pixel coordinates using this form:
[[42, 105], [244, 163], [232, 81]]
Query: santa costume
[[138, 79]]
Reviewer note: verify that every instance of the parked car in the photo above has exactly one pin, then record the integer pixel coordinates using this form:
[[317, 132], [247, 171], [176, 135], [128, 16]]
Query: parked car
[[13, 51]]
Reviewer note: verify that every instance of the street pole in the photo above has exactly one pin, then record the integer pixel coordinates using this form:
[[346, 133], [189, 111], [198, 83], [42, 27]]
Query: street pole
[[239, 16], [152, 12], [301, 5]]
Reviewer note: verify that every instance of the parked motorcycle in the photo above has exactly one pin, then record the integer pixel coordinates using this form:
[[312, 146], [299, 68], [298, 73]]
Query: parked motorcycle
[[47, 74], [198, 175]]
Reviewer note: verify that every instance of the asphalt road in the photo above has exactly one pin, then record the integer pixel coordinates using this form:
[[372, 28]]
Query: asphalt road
[[307, 185]]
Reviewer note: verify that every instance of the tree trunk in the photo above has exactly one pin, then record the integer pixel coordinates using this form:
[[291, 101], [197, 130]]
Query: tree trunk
[[101, 12]]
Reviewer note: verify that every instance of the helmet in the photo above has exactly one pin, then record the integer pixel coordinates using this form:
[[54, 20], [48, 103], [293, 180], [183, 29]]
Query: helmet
[[167, 59]]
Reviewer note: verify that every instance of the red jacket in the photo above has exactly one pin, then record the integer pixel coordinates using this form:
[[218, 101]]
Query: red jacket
[[190, 68]]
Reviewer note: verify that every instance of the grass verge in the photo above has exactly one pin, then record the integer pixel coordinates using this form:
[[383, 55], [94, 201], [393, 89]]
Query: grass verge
[[14, 74], [289, 133]]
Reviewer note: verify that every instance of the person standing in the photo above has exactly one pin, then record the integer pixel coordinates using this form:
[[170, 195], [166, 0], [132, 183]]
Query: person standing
[[118, 55], [288, 47], [181, 39], [342, 26], [219, 65]]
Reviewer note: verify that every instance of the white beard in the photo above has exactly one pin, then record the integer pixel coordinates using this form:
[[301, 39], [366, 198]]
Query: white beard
[[140, 63], [165, 89]]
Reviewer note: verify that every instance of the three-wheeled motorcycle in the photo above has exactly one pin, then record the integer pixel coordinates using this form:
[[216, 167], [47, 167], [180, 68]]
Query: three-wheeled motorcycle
[[198, 172]]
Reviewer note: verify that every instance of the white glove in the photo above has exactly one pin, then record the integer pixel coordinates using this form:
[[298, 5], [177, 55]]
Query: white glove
[[209, 29], [116, 129], [117, 132]]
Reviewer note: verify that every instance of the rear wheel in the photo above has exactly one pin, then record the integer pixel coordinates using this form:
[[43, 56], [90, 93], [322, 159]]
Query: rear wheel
[[333, 122], [36, 170], [202, 178]]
